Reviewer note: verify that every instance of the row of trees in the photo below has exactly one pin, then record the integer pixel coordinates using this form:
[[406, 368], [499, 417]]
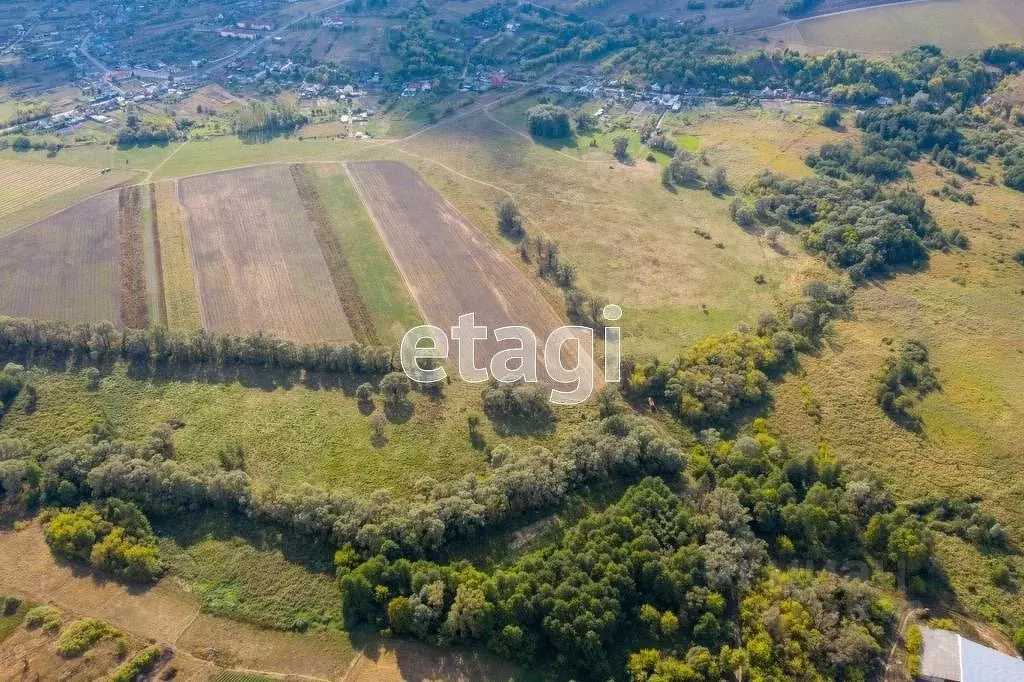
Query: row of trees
[[30, 340], [145, 474], [261, 118], [581, 308]]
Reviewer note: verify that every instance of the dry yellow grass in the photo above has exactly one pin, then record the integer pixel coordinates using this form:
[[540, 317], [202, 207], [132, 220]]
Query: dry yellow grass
[[633, 242], [180, 299], [957, 26]]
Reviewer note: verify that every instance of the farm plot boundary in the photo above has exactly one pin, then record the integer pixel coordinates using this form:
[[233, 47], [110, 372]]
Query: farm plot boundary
[[255, 255], [337, 265]]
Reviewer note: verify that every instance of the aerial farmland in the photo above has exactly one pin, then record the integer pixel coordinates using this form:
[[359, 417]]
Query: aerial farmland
[[788, 236]]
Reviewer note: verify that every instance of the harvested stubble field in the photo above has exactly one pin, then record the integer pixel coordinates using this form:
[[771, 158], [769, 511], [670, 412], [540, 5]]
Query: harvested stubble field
[[134, 311], [448, 264], [65, 267], [256, 257], [23, 184]]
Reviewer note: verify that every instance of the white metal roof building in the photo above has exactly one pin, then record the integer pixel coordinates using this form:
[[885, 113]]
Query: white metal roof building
[[948, 657]]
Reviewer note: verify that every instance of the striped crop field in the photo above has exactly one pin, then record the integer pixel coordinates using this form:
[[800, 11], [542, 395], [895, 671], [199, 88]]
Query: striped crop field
[[23, 184]]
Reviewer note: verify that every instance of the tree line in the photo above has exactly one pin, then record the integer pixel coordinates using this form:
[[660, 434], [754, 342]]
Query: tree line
[[29, 340], [98, 467]]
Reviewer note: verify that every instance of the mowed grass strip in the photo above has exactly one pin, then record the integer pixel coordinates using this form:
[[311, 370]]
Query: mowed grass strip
[[154, 264], [380, 285], [65, 267], [341, 276], [257, 261], [177, 277], [134, 310]]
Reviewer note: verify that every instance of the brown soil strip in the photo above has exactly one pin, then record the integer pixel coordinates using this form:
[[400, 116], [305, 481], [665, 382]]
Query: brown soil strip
[[134, 311], [341, 276], [161, 294]]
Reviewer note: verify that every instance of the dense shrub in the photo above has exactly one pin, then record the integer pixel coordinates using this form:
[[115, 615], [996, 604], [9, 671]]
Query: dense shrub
[[80, 636], [548, 120], [905, 379], [113, 536], [47, 617], [723, 374], [861, 228], [510, 224], [519, 406], [831, 117], [138, 666]]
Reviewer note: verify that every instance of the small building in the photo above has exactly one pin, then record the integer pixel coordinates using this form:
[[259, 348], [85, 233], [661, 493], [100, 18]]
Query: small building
[[948, 657], [255, 25], [237, 33]]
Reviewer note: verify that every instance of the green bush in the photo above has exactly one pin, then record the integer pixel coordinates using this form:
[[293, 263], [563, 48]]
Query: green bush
[[82, 634], [114, 537], [46, 616], [10, 605], [138, 666]]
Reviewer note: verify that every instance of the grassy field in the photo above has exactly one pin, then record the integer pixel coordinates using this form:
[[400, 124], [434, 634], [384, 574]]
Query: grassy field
[[957, 26], [380, 284], [633, 241], [291, 434], [242, 572]]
